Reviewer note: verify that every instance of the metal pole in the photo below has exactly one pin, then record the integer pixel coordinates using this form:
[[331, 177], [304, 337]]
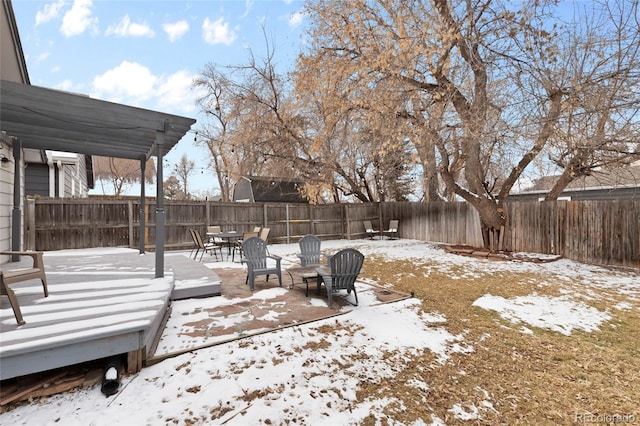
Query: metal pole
[[16, 213], [159, 204], [143, 219]]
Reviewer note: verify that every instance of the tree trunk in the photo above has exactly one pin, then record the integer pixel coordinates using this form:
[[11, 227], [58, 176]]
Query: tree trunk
[[432, 185], [560, 185], [493, 223]]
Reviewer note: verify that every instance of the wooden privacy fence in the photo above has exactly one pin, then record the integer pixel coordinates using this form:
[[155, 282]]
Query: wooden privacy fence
[[602, 232], [53, 224]]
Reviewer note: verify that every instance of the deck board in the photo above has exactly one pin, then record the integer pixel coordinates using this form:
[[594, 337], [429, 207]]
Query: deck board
[[100, 304]]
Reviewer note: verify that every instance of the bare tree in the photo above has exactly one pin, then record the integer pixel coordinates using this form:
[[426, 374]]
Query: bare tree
[[183, 169], [230, 135], [480, 88], [258, 126], [120, 171], [599, 125], [173, 189]]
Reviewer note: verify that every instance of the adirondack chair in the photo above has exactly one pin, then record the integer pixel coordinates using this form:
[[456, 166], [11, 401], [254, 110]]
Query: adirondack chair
[[393, 230], [341, 272], [309, 250], [8, 278], [368, 228], [257, 260]]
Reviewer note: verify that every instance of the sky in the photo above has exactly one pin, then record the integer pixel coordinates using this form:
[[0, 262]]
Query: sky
[[146, 53], [293, 374]]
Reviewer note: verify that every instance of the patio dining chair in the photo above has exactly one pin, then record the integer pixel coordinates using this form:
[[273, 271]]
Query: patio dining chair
[[264, 234], [341, 273], [393, 230], [309, 250], [238, 245], [259, 262], [202, 247], [368, 228]]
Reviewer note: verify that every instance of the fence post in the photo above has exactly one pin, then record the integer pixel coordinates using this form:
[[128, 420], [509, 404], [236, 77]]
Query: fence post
[[381, 224], [130, 220], [286, 208], [312, 228], [347, 220], [265, 219], [30, 221]]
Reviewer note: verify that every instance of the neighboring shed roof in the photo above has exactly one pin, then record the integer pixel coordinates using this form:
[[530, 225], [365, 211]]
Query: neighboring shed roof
[[599, 179], [611, 184], [265, 189]]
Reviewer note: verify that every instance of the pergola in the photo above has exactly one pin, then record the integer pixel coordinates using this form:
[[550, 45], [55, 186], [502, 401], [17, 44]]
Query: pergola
[[42, 118]]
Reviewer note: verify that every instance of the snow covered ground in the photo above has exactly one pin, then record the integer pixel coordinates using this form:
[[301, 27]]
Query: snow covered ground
[[309, 374]]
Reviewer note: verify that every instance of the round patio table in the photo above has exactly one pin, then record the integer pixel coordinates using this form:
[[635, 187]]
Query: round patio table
[[227, 236]]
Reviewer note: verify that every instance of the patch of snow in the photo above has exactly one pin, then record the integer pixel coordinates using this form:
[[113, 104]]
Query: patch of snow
[[553, 313], [464, 412], [310, 373]]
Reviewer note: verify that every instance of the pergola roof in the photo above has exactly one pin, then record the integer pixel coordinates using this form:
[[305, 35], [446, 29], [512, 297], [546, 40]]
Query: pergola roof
[[60, 121]]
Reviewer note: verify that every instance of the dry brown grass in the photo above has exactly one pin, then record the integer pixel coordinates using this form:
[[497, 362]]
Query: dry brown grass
[[540, 378]]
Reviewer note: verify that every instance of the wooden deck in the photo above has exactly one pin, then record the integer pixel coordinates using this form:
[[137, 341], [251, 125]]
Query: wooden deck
[[102, 302]]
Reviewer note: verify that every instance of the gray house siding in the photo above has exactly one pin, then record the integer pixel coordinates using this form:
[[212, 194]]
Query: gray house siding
[[68, 173], [36, 179]]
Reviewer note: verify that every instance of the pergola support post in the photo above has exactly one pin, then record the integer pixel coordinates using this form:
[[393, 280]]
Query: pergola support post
[[143, 196], [159, 204]]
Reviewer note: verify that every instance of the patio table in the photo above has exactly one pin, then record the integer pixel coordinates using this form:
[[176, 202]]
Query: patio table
[[227, 236], [306, 273]]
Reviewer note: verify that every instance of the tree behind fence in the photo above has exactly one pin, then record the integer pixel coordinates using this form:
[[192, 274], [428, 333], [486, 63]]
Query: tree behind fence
[[602, 232]]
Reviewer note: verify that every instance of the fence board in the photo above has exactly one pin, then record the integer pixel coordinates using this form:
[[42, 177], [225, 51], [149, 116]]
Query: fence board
[[602, 232]]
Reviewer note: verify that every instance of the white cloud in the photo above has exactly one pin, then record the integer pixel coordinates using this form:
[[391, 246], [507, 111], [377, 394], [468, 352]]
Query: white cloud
[[49, 12], [174, 93], [218, 32], [175, 30], [134, 84], [126, 28], [129, 83], [68, 86], [296, 19], [42, 56], [248, 5], [78, 18]]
